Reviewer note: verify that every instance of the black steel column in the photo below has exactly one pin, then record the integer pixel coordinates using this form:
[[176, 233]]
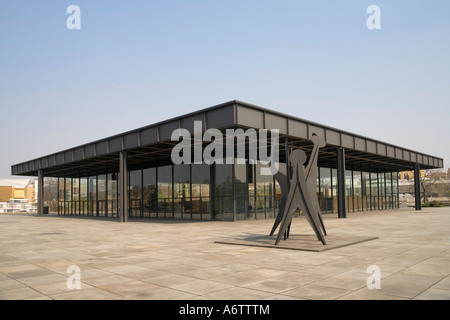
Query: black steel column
[[417, 186], [342, 210], [40, 195], [233, 188], [123, 187]]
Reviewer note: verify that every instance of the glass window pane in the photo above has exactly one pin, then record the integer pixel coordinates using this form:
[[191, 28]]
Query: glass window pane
[[357, 192], [366, 190], [325, 198], [395, 189], [135, 193], [75, 189], [92, 187], [201, 199], [101, 196], [182, 191], [150, 193], [282, 169], [51, 194], [349, 190], [374, 190], [61, 189], [223, 198], [381, 190], [165, 192], [75, 195], [334, 189], [68, 196], [241, 191], [83, 196], [263, 192], [68, 193], [112, 200]]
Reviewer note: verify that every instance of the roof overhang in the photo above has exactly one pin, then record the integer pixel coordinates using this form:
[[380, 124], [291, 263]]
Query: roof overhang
[[148, 145]]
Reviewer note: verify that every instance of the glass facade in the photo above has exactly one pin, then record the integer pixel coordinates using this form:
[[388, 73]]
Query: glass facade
[[214, 192]]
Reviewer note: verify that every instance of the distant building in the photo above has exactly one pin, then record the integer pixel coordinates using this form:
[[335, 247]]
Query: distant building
[[18, 195], [409, 175]]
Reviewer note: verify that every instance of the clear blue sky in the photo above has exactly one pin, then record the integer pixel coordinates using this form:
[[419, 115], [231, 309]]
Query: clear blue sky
[[134, 63]]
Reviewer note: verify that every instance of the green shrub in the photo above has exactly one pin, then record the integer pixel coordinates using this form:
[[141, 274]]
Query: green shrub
[[433, 204]]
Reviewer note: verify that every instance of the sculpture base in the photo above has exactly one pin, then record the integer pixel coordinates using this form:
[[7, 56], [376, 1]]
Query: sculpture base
[[304, 242]]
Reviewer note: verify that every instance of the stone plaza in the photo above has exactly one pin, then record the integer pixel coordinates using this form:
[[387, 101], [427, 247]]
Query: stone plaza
[[182, 260]]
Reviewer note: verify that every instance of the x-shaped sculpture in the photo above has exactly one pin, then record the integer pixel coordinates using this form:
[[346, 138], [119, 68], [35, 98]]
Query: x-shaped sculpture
[[300, 192]]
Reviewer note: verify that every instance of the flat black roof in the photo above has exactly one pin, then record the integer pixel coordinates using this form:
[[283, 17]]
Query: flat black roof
[[152, 143]]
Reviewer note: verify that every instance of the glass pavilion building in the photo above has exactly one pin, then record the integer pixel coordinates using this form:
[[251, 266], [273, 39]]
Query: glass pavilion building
[[132, 175]]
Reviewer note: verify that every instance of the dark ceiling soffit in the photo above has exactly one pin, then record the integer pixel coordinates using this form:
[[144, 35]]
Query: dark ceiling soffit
[[230, 114]]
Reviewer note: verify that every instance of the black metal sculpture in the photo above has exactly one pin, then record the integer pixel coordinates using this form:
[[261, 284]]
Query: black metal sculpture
[[300, 192]]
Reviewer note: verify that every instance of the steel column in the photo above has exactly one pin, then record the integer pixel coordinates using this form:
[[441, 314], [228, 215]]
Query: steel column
[[40, 209], [123, 187], [417, 186], [342, 210], [233, 188]]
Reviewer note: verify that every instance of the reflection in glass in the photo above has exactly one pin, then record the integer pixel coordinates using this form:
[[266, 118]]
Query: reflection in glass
[[92, 190], [135, 193], [395, 190], [165, 203], [374, 190], [51, 194], [282, 169], [101, 196], [76, 196], [325, 197], [83, 196], [201, 199], [150, 192], [112, 194], [223, 196], [388, 182], [334, 189], [182, 191], [68, 196], [242, 191], [349, 190], [381, 191], [206, 192], [357, 192], [366, 190], [61, 189], [264, 193]]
